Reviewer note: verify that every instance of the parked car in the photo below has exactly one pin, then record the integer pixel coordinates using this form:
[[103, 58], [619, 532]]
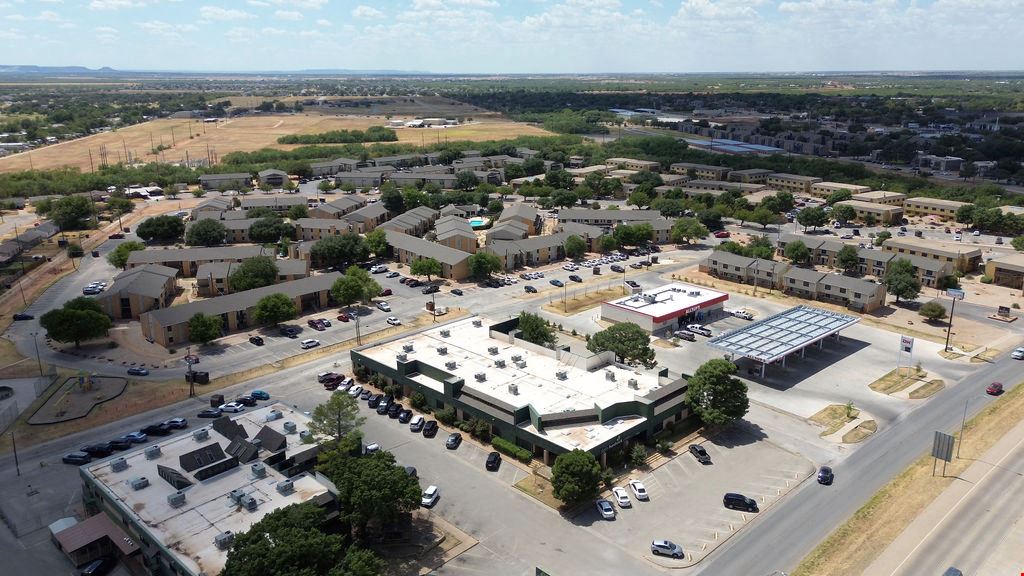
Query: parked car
[[700, 453], [666, 548], [365, 395], [260, 395], [685, 335], [316, 325], [98, 567], [394, 321], [210, 413], [386, 292], [556, 282], [430, 429], [392, 275], [430, 496], [343, 317], [138, 371], [256, 340], [355, 391], [722, 234], [77, 458], [246, 400], [739, 502], [160, 429], [180, 423], [1017, 354], [453, 441], [605, 509], [231, 407], [121, 443], [383, 306], [431, 289], [374, 400], [530, 289], [994, 389], [403, 280], [394, 410], [456, 292], [23, 316], [493, 461], [310, 343], [289, 331], [698, 329], [617, 268], [416, 423], [741, 314], [639, 490], [101, 450], [621, 497], [825, 475], [378, 269], [404, 415], [413, 283], [137, 437]]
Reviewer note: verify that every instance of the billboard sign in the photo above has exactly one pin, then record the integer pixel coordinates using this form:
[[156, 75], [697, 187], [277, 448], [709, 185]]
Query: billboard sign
[[942, 447]]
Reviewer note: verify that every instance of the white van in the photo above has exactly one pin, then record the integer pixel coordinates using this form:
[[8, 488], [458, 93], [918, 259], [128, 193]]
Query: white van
[[416, 424]]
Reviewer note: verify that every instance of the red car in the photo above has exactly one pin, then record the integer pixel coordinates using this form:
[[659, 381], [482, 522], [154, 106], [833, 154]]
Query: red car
[[722, 234], [343, 317], [316, 325], [385, 292], [994, 389]]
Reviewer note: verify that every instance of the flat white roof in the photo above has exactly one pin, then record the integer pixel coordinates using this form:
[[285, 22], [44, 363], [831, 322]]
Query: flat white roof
[[670, 301], [188, 531], [780, 334]]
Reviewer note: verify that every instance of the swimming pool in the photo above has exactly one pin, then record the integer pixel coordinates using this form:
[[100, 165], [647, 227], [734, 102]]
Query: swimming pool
[[479, 221]]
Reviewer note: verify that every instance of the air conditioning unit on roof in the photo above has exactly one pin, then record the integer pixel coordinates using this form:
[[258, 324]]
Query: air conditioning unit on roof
[[224, 539], [152, 452], [442, 350], [493, 349], [480, 376], [118, 465], [402, 357], [407, 347], [201, 435], [446, 333], [561, 374], [477, 323], [499, 363], [176, 499], [289, 427], [259, 470], [450, 365]]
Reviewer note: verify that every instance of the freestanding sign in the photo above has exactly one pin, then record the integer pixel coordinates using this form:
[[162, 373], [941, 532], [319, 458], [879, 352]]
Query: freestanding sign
[[955, 293], [942, 449], [906, 347], [907, 343]]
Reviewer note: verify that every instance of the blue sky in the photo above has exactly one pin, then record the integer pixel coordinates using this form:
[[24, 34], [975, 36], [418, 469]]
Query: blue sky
[[516, 36]]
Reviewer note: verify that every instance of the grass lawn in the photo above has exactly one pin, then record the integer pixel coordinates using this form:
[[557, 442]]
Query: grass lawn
[[862, 431], [584, 302], [833, 417], [927, 389]]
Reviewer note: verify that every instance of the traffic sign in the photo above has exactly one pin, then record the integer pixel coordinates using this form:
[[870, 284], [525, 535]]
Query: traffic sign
[[955, 293]]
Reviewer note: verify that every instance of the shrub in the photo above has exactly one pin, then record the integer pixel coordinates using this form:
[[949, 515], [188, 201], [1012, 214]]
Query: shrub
[[986, 279], [637, 455], [608, 478], [418, 401], [172, 350], [478, 428], [506, 447], [395, 389], [446, 416], [1015, 305], [361, 374], [664, 447]]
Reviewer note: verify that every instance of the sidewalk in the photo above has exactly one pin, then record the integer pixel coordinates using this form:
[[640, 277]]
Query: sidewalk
[[903, 547]]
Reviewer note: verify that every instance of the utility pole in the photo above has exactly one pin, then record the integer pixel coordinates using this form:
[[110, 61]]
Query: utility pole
[[963, 424], [35, 341], [14, 447]]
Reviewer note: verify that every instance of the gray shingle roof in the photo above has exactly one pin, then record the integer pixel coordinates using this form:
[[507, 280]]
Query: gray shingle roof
[[193, 254], [286, 266], [731, 259], [518, 210], [448, 226], [567, 214], [146, 280], [426, 249], [803, 274], [271, 201], [368, 212]]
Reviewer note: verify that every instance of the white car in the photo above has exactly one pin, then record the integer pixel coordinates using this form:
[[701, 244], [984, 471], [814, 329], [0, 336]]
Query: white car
[[378, 269], [956, 238], [621, 497], [1017, 354], [605, 508], [231, 407], [383, 306], [741, 314], [976, 233], [698, 329], [430, 496], [394, 321], [355, 390], [639, 490], [310, 343]]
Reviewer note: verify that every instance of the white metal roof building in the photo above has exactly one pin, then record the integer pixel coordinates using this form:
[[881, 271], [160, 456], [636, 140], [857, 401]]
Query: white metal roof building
[[664, 307], [779, 335]]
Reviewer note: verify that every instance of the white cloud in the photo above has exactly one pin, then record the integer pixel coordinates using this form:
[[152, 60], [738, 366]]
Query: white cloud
[[106, 34], [290, 15], [259, 3], [366, 12], [323, 22], [16, 17], [240, 34], [67, 26], [11, 34], [115, 4], [273, 31], [218, 13], [166, 29], [475, 3], [48, 16]]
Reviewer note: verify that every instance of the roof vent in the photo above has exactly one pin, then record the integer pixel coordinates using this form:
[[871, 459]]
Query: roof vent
[[480, 376], [274, 415], [118, 465], [259, 470], [561, 374], [249, 502], [201, 435], [517, 357], [513, 389], [305, 435], [499, 363], [493, 349], [609, 375], [236, 495], [450, 365], [632, 383], [152, 452], [289, 427], [401, 357], [521, 364], [442, 350], [139, 483], [224, 539], [477, 323], [257, 443], [446, 333], [407, 347], [176, 499], [285, 487], [693, 293]]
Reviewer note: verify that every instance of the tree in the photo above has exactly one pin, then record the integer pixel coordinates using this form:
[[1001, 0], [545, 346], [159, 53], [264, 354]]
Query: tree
[[714, 395], [627, 340], [763, 216], [206, 232], [847, 258], [839, 196], [370, 488], [968, 170], [337, 251], [797, 252], [254, 273], [204, 328], [270, 230], [336, 418], [274, 309], [370, 286], [119, 206], [466, 180], [71, 212], [575, 247], [844, 213], [607, 243], [118, 257], [882, 236], [261, 212], [392, 200], [425, 267], [575, 477], [687, 229], [901, 281], [298, 211], [564, 198], [1018, 243], [79, 319], [376, 242], [535, 329], [347, 290], [325, 185], [932, 311], [495, 207], [639, 199], [784, 201], [814, 217], [483, 264], [533, 166], [637, 455], [161, 229], [74, 250], [513, 171]]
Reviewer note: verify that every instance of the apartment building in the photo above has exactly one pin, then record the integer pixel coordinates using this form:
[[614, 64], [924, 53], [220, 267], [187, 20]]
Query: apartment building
[[963, 257], [524, 213], [366, 218], [235, 180], [332, 167], [188, 260], [238, 230], [272, 177], [455, 232], [590, 234], [793, 183], [741, 187], [532, 251], [276, 202], [408, 249], [881, 197], [750, 176], [212, 279], [139, 290], [588, 170], [701, 171], [1007, 271], [880, 213], [924, 206], [338, 207], [313, 229], [634, 164], [854, 293], [359, 179], [507, 230], [415, 222], [419, 179], [606, 218], [826, 189], [217, 205], [400, 161]]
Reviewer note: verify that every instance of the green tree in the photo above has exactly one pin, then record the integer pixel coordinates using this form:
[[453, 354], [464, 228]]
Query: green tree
[[298, 211], [843, 213], [627, 340], [714, 395], [392, 199], [118, 257], [254, 272], [79, 319], [340, 250], [535, 329], [495, 207], [336, 418], [763, 216], [204, 328], [839, 196], [425, 267], [376, 242], [71, 212], [637, 455], [564, 198], [639, 198], [797, 252], [483, 264], [370, 488], [1018, 243], [161, 229], [207, 232], [466, 180], [370, 287], [575, 477], [575, 247], [882, 236], [74, 250], [270, 230], [687, 229], [347, 290], [607, 243], [847, 258], [274, 309], [120, 206], [513, 171], [261, 212], [901, 281], [325, 185], [932, 311], [814, 217]]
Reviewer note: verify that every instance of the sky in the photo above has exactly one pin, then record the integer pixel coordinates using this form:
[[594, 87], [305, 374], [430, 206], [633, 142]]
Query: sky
[[516, 36]]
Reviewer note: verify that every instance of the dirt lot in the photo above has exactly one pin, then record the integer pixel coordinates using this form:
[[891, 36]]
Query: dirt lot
[[413, 106], [198, 139]]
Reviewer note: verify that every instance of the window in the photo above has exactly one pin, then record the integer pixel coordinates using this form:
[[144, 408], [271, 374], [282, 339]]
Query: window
[[857, 295], [806, 284], [842, 290]]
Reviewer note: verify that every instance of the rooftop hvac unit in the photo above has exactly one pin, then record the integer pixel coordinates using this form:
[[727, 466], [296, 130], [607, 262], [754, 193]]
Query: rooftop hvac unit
[[257, 443], [632, 383], [139, 483], [407, 347], [176, 499], [274, 415], [477, 323], [285, 486], [561, 374], [289, 427], [224, 539], [236, 495], [517, 357], [152, 452], [521, 364], [442, 350], [401, 357], [693, 293], [609, 375], [259, 470], [493, 349], [513, 389], [249, 502], [201, 435], [499, 363], [119, 465], [450, 365], [650, 298], [305, 435], [446, 333], [480, 376]]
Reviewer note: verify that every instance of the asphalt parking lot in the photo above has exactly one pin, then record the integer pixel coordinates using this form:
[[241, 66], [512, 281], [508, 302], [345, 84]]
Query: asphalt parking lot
[[685, 504]]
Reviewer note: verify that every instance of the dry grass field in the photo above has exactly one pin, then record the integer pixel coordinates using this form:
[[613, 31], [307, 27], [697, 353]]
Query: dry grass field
[[197, 139]]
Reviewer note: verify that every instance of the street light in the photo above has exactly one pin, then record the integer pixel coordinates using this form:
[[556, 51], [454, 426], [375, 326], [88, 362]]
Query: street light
[[35, 341]]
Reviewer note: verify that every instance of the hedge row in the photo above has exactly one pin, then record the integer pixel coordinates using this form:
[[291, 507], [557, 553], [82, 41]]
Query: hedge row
[[504, 446]]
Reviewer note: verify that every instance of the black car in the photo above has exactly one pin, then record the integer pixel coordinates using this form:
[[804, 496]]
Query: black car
[[493, 461], [575, 278], [99, 450], [825, 476], [246, 400], [617, 268], [414, 283], [556, 282], [374, 401], [739, 502], [394, 409], [430, 429], [256, 340], [209, 413], [78, 458], [700, 453], [290, 331], [530, 289], [453, 441], [23, 316], [365, 395], [404, 416], [99, 566], [431, 289], [120, 443], [157, 430], [456, 292]]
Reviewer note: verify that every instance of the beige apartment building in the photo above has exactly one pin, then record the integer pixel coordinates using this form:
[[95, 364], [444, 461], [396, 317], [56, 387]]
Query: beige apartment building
[[750, 176], [881, 197], [634, 164], [880, 213], [793, 183], [826, 189], [408, 249], [701, 171], [963, 257], [923, 206], [1007, 271]]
